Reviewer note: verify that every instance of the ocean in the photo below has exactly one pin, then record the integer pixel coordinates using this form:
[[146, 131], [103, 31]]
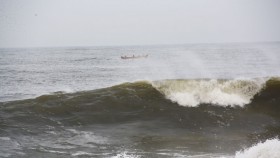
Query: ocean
[[192, 100]]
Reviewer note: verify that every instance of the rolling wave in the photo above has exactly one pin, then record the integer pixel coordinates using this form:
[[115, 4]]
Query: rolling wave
[[189, 93], [144, 100]]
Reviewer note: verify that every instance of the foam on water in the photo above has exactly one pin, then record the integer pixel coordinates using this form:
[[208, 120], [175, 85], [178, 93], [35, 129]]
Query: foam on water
[[236, 92], [125, 154], [268, 149], [8, 147], [82, 153], [85, 138]]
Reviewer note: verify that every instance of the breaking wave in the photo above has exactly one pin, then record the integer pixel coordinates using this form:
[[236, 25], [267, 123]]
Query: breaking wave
[[185, 92], [147, 100], [217, 92]]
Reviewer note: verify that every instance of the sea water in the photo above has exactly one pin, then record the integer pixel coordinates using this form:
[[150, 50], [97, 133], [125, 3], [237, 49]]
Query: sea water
[[193, 100]]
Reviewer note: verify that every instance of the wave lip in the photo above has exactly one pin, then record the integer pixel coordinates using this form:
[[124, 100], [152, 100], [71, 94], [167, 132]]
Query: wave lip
[[191, 93]]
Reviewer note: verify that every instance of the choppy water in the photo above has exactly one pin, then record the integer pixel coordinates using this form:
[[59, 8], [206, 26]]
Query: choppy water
[[200, 100]]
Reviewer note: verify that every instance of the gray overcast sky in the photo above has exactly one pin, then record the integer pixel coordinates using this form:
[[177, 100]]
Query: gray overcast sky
[[32, 23]]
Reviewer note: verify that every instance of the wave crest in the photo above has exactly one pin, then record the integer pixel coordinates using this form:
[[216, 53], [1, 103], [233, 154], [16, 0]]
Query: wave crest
[[237, 92]]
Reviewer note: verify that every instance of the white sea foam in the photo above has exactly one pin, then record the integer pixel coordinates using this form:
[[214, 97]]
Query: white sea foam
[[191, 93], [268, 149], [85, 138], [125, 154], [82, 153]]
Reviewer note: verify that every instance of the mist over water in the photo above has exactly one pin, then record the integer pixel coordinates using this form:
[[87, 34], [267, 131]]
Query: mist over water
[[27, 73]]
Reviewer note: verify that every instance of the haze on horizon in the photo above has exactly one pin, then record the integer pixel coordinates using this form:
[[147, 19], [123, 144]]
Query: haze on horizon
[[40, 23]]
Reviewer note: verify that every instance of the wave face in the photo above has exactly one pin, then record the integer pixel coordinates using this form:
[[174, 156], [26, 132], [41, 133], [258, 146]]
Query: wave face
[[187, 117]]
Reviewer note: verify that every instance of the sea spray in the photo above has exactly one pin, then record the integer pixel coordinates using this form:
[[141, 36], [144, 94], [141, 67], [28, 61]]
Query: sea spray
[[268, 149]]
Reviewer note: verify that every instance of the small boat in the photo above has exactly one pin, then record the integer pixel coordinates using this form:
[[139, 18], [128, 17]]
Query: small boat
[[134, 57]]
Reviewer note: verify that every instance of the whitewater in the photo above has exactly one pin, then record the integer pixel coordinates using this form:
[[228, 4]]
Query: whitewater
[[192, 100]]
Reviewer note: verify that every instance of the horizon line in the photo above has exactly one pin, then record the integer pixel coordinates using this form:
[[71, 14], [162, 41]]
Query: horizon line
[[138, 45]]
